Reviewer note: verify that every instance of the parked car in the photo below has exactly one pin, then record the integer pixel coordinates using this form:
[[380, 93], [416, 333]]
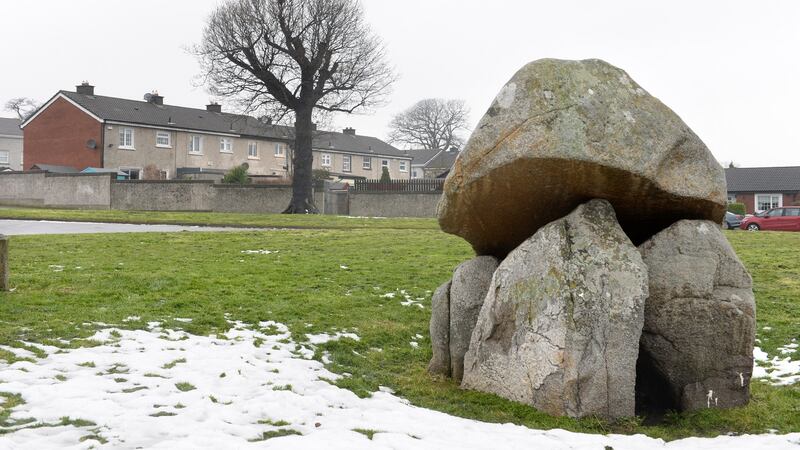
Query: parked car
[[776, 219], [732, 221]]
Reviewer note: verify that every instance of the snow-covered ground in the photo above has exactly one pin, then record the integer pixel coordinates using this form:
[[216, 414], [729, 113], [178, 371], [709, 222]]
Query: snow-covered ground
[[170, 390]]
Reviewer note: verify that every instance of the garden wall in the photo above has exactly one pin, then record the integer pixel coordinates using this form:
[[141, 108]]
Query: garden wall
[[101, 191], [393, 204], [162, 195], [39, 189]]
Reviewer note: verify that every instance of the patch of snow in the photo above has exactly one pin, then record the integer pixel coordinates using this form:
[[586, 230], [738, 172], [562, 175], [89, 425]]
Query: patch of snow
[[18, 352], [777, 371], [322, 338], [414, 344], [56, 268], [343, 267], [388, 295], [232, 385], [259, 252], [181, 319], [131, 319], [766, 328]]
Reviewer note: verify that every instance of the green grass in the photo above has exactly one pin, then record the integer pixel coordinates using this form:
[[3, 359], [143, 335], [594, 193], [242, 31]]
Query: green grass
[[185, 387], [219, 219], [203, 276], [275, 433]]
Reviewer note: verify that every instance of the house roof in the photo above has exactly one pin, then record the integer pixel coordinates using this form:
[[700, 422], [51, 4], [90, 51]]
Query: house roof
[[116, 109], [763, 179], [55, 169], [10, 127], [443, 160], [422, 156]]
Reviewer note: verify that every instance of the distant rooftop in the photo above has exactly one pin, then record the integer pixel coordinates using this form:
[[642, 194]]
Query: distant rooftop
[[10, 127], [763, 179], [164, 116]]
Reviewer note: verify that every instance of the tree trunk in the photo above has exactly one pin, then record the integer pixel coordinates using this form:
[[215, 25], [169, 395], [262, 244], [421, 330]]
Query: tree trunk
[[302, 159]]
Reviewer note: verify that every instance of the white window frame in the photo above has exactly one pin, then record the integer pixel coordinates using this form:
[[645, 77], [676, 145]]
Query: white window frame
[[326, 160], [163, 134], [780, 201], [385, 163], [280, 151], [123, 138], [403, 166], [226, 145], [252, 150], [128, 170], [366, 163], [192, 149], [347, 163], [7, 157]]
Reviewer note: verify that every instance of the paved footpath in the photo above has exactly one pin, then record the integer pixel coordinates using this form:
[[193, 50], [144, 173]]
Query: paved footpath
[[20, 227]]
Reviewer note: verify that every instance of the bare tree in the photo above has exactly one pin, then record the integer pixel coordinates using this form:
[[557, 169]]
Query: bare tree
[[431, 123], [22, 106], [295, 59]]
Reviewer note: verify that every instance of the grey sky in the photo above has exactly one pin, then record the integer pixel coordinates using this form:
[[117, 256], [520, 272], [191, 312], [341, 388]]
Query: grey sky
[[730, 69]]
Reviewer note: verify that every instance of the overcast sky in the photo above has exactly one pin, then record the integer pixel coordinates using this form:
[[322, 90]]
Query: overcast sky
[[730, 69]]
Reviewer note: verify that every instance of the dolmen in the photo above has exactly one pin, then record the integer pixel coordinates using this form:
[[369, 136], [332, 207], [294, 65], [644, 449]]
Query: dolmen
[[602, 283]]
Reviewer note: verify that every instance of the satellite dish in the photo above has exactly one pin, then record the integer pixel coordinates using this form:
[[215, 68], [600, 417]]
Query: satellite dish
[[148, 96], [91, 143]]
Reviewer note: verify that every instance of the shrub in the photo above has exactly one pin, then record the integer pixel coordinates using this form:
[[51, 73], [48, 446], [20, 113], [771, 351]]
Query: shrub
[[737, 208], [320, 175], [385, 178], [237, 175]]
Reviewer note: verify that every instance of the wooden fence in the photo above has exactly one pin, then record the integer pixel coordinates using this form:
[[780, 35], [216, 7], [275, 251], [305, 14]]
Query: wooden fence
[[417, 185]]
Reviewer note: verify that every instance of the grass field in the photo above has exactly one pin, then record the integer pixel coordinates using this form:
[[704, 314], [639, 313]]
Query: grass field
[[220, 219], [351, 275]]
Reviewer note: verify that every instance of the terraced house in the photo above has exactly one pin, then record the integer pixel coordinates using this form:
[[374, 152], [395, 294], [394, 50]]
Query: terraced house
[[151, 140]]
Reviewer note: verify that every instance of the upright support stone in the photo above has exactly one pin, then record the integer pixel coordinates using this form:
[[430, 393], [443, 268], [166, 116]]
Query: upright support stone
[[3, 263]]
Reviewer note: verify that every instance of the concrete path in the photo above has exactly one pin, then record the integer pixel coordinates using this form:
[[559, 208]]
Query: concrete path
[[20, 227]]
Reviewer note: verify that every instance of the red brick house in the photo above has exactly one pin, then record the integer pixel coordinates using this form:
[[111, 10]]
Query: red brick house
[[762, 188]]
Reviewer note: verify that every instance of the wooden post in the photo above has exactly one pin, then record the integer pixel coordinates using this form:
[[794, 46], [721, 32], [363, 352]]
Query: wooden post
[[3, 263]]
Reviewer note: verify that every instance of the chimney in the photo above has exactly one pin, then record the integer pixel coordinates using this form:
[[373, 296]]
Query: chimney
[[350, 131], [214, 107], [156, 99], [85, 88]]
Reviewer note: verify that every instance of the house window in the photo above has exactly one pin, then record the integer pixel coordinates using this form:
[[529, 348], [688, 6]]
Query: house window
[[225, 145], [163, 139], [133, 174], [252, 150], [196, 145], [414, 173], [731, 198], [385, 163], [768, 201], [126, 138], [367, 163], [346, 163], [403, 166], [163, 175], [5, 157], [280, 151], [326, 160]]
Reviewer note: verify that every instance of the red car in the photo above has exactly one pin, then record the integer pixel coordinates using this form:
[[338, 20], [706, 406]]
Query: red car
[[776, 219]]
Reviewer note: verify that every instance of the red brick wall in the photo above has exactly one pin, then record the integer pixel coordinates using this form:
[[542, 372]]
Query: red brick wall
[[749, 201], [58, 136]]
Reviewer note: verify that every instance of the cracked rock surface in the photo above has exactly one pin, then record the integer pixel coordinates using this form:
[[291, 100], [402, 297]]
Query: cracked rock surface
[[699, 325], [560, 133], [560, 325]]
